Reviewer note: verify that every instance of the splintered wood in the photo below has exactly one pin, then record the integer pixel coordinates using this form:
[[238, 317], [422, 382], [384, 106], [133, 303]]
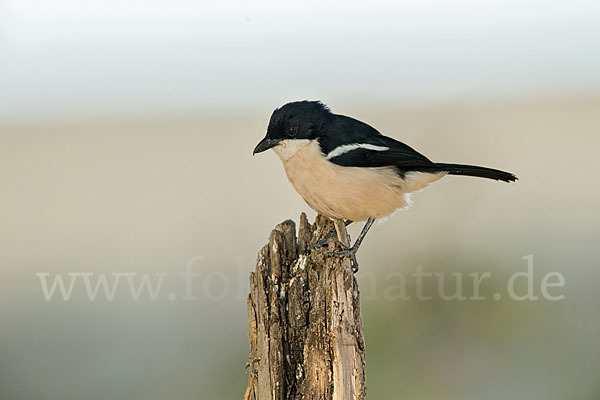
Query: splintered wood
[[305, 327]]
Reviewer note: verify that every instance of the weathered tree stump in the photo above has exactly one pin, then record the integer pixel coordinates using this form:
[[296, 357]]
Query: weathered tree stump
[[305, 327]]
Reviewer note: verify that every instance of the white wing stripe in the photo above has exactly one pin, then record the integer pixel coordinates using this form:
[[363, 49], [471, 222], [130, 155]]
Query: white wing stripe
[[338, 151]]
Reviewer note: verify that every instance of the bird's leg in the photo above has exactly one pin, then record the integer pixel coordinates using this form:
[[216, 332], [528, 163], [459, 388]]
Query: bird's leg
[[352, 250], [332, 233]]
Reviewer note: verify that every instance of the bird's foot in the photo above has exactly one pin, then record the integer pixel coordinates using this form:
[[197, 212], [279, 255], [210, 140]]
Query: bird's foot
[[325, 240], [332, 234], [347, 252], [351, 251]]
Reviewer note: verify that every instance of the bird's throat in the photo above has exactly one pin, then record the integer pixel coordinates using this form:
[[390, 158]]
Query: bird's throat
[[289, 148]]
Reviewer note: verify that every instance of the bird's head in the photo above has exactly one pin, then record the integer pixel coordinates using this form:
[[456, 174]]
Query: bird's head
[[292, 124]]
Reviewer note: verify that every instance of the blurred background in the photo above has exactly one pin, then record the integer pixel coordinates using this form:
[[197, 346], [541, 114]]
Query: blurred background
[[126, 137]]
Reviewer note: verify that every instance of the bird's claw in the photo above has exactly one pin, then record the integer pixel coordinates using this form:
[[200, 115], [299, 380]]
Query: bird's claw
[[346, 252], [320, 243], [343, 253], [323, 242]]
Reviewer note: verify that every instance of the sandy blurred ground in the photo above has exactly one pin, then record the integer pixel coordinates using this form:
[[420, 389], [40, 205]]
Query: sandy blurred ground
[[149, 196]]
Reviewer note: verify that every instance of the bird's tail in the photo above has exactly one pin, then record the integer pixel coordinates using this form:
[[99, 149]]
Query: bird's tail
[[481, 172]]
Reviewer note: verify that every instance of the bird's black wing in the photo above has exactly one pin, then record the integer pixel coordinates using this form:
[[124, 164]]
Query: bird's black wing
[[366, 147], [382, 154]]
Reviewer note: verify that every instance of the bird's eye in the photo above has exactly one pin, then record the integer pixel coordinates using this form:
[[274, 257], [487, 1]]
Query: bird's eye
[[292, 131]]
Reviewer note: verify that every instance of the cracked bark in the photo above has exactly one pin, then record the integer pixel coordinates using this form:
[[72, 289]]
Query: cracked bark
[[305, 327]]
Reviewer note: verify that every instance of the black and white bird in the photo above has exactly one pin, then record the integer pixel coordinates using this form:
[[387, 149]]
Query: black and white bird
[[348, 171]]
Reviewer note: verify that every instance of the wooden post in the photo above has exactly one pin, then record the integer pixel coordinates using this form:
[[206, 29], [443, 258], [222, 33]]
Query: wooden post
[[305, 327]]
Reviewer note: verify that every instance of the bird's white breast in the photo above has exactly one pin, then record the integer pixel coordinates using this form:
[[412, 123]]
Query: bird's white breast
[[352, 193]]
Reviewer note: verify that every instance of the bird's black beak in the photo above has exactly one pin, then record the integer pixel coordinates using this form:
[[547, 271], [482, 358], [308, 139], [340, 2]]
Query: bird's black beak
[[265, 144]]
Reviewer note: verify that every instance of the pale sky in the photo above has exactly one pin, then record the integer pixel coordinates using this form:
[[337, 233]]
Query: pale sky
[[70, 57]]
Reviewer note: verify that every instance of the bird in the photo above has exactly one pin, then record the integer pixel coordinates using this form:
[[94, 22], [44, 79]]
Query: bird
[[348, 171]]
